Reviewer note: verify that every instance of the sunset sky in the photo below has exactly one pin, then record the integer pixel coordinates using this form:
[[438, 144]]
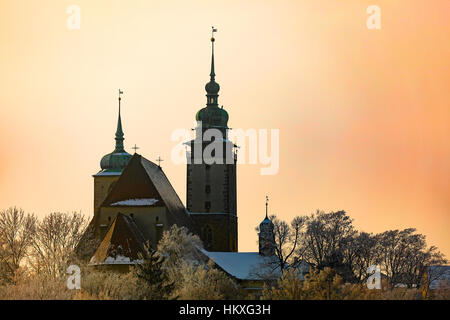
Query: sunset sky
[[363, 114]]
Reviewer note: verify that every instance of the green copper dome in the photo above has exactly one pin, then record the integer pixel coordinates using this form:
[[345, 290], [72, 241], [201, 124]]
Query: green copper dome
[[199, 115], [115, 161], [212, 116], [212, 87]]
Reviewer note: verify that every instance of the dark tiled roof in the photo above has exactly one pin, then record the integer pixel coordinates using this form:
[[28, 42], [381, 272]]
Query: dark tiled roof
[[142, 179], [123, 240]]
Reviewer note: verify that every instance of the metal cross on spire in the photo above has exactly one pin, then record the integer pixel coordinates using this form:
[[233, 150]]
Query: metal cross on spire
[[159, 160], [135, 148]]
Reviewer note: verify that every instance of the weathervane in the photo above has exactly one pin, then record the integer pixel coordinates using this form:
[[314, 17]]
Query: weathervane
[[212, 33], [120, 98]]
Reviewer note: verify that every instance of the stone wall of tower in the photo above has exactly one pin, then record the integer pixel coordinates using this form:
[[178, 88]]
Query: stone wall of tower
[[217, 231], [102, 186], [211, 188], [211, 196]]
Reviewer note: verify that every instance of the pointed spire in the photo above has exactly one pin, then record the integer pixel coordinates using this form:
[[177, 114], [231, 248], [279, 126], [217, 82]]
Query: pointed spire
[[212, 74], [267, 204], [119, 133]]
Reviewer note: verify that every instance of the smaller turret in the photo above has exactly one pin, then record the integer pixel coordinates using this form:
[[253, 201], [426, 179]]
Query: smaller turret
[[117, 160], [266, 235]]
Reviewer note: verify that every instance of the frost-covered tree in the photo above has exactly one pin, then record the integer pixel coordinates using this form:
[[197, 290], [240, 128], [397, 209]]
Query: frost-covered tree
[[54, 243], [188, 269], [17, 231], [179, 244], [204, 282]]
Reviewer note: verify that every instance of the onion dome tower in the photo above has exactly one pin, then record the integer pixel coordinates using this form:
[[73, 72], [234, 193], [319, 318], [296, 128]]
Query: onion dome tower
[[211, 197], [212, 116], [116, 161], [111, 165]]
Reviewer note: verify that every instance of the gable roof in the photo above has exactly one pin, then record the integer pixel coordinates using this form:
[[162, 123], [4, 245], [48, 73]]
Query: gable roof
[[121, 244], [142, 179], [245, 265], [439, 276]]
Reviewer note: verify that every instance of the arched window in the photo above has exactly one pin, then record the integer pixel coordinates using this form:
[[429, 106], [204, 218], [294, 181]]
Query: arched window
[[207, 206], [207, 236]]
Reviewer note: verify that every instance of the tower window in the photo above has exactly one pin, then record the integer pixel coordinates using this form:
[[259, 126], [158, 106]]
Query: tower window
[[207, 205], [207, 236], [159, 228], [208, 189]]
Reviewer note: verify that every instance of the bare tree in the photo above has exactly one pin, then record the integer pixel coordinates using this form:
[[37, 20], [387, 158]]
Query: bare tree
[[436, 276], [360, 254], [88, 244], [404, 256], [53, 246], [325, 240], [287, 241], [17, 230]]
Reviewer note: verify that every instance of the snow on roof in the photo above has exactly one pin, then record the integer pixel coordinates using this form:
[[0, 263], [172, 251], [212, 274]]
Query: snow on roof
[[246, 265], [203, 213], [136, 202], [108, 173], [119, 259]]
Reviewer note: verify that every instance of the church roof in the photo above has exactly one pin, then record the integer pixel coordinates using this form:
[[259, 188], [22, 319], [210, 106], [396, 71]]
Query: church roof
[[246, 265], [439, 276], [143, 183], [121, 244]]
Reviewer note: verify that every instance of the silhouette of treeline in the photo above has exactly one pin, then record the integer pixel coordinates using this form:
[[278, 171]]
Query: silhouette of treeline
[[329, 240], [35, 253]]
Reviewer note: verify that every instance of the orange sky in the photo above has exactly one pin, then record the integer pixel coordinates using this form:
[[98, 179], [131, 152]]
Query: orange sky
[[363, 114]]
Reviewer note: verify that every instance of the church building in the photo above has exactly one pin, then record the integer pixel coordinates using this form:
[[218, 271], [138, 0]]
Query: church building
[[134, 201]]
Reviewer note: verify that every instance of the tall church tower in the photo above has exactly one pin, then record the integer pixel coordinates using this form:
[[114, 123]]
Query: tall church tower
[[211, 173], [112, 166]]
